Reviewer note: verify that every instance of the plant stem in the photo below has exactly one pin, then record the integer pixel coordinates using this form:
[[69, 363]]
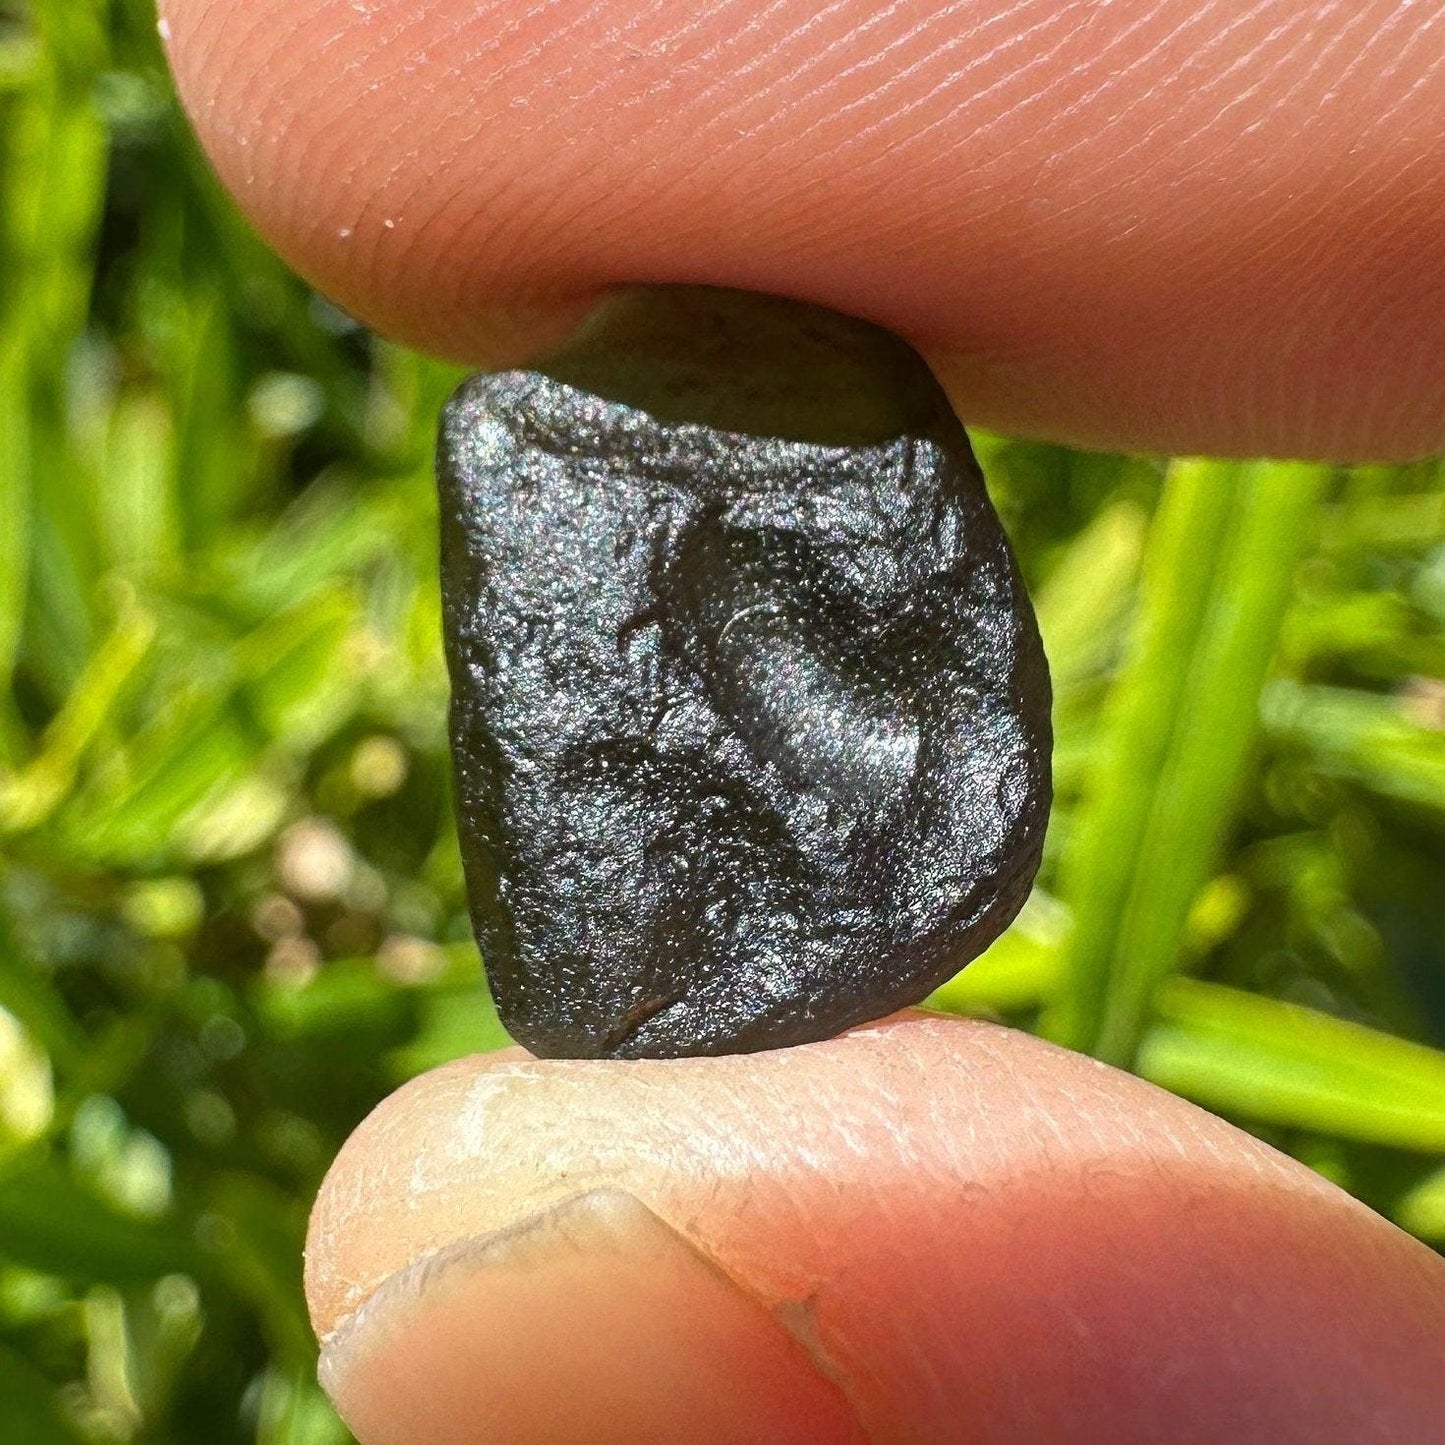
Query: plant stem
[[1218, 577]]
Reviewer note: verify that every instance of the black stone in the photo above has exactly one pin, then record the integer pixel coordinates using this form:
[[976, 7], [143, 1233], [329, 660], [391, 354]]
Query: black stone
[[750, 714]]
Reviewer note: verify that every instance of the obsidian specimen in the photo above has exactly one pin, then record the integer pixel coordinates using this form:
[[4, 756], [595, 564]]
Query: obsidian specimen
[[750, 714]]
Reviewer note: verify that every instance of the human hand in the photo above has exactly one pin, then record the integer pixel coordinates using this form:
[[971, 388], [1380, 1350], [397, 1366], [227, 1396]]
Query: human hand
[[1183, 226], [1207, 227], [927, 1230]]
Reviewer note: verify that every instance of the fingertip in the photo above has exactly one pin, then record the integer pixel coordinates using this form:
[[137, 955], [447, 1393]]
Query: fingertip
[[322, 120], [976, 1231], [590, 1321], [1208, 228]]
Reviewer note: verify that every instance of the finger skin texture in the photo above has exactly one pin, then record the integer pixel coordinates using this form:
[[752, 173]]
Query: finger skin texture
[[592, 1323], [969, 1234], [1178, 225]]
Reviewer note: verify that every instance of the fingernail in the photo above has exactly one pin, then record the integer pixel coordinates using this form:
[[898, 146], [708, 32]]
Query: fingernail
[[594, 1321]]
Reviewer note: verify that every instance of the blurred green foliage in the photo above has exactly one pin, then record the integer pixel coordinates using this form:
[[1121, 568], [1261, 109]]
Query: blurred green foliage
[[231, 912]]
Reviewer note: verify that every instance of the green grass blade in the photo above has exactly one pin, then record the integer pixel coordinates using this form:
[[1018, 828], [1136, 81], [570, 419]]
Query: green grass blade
[[1219, 575], [28, 797], [1278, 1063], [1188, 534], [1086, 594], [49, 1223], [1364, 737], [15, 449], [55, 167]]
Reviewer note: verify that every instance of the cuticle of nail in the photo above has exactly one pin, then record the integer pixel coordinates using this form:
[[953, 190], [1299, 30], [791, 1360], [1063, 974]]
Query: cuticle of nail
[[580, 1219], [591, 1219], [584, 1220]]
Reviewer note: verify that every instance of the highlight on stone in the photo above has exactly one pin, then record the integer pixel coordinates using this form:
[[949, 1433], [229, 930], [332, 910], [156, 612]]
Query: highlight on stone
[[750, 714]]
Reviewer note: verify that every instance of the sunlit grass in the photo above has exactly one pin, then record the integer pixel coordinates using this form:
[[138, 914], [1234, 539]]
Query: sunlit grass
[[231, 913]]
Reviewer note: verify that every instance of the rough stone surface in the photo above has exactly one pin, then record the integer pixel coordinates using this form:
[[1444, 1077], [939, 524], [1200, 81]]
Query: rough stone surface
[[751, 732]]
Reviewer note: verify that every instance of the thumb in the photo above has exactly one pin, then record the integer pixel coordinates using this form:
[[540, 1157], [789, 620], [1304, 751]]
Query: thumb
[[929, 1230]]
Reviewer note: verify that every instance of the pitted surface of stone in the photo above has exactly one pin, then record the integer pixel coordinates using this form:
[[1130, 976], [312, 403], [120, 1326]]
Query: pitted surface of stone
[[751, 732]]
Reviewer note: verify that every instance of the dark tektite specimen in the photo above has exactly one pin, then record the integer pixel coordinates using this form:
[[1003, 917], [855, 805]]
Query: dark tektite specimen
[[750, 714]]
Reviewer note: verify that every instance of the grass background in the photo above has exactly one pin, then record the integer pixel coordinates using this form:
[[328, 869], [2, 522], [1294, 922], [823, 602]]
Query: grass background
[[231, 911]]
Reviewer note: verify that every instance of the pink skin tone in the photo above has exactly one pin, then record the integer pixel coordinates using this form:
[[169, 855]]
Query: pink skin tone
[[928, 1230], [1174, 226]]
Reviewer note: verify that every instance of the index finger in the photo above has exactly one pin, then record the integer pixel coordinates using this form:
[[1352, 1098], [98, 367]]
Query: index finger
[[1186, 226]]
